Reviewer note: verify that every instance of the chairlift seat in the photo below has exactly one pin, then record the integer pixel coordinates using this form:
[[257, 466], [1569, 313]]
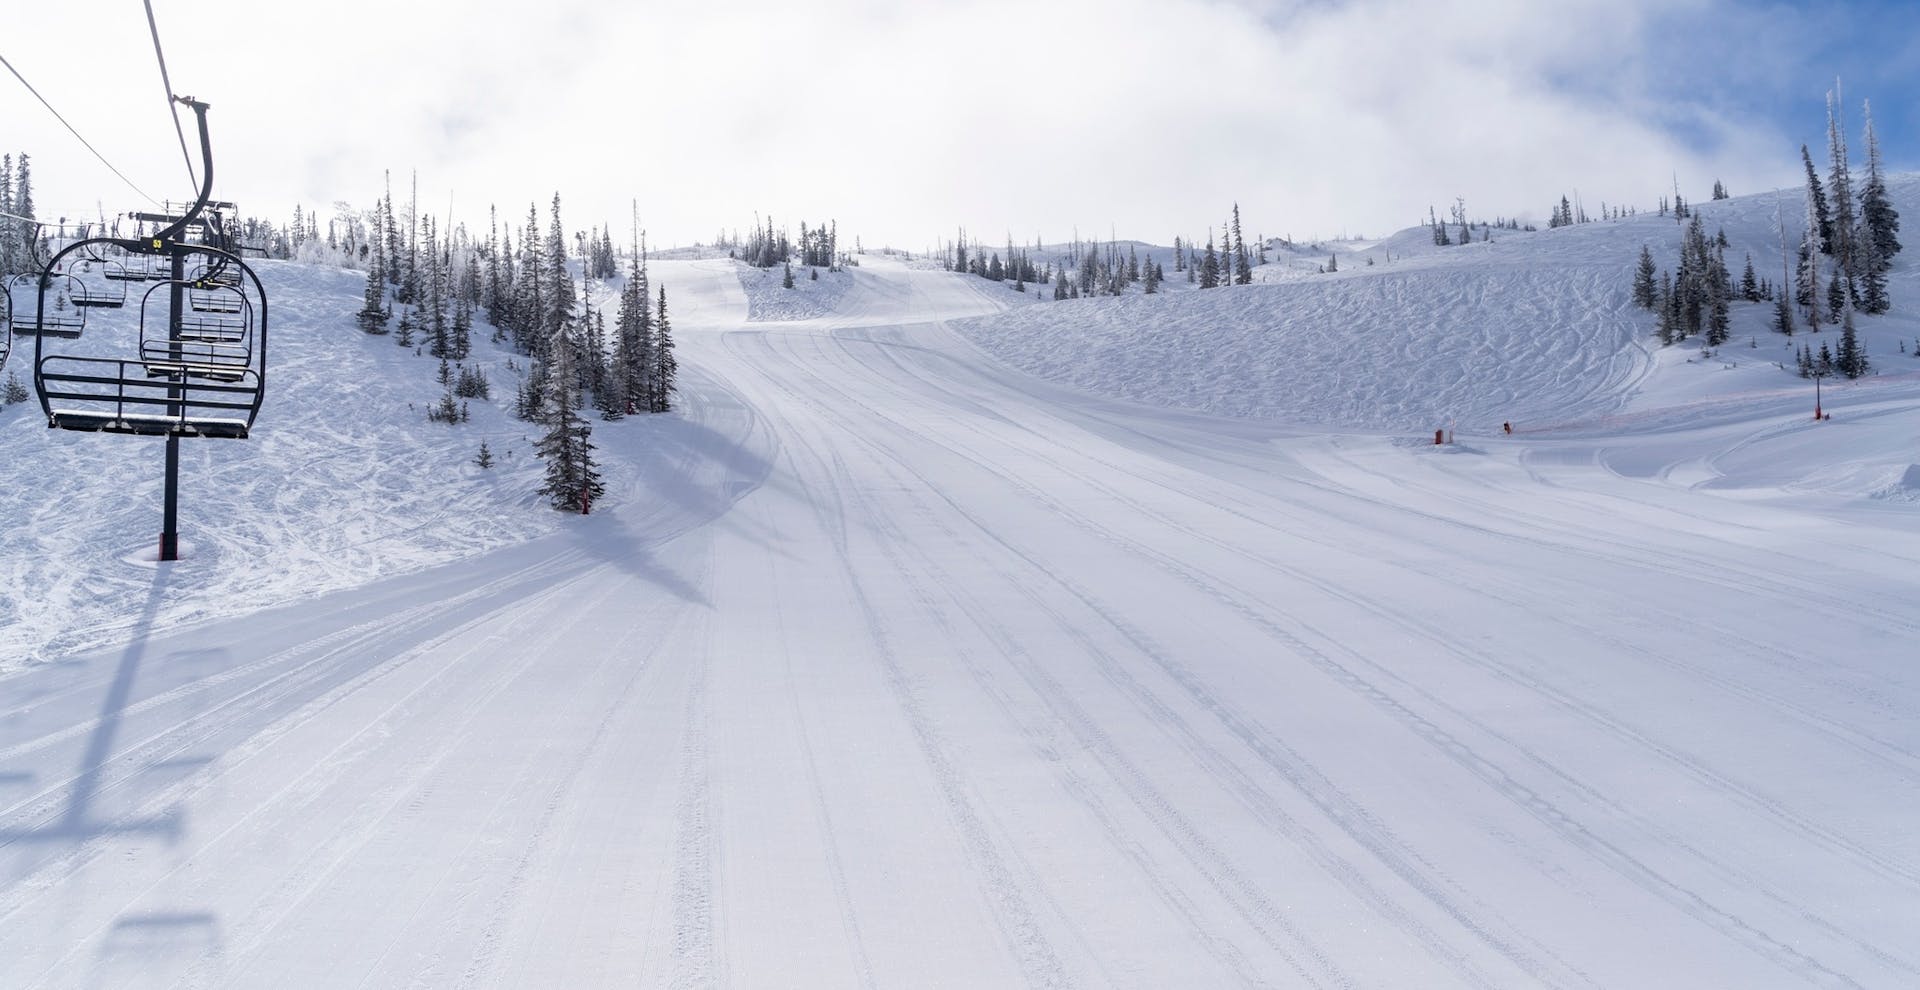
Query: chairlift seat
[[88, 296], [176, 355], [192, 398], [140, 424], [212, 330], [216, 371], [63, 325], [213, 302]]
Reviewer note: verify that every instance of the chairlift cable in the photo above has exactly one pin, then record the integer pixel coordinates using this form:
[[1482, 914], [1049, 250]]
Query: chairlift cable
[[70, 128], [173, 106]]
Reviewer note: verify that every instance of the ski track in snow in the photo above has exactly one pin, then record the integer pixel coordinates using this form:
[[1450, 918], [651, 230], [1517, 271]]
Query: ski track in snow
[[884, 664]]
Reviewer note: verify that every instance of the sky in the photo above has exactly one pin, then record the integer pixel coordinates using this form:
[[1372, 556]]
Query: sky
[[904, 122]]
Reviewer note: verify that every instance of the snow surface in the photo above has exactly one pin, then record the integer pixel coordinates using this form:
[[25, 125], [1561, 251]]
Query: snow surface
[[769, 300], [884, 664], [1535, 328]]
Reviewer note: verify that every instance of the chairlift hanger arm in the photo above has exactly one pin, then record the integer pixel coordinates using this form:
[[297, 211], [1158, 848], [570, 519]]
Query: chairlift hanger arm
[[206, 173]]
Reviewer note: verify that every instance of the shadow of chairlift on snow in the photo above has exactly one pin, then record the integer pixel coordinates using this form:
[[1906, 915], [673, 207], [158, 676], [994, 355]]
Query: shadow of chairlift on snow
[[154, 948], [79, 821]]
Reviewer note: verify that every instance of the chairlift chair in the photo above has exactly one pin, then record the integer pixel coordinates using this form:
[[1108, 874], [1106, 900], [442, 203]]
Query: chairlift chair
[[49, 309], [112, 295], [217, 347], [187, 375], [123, 271], [224, 299], [216, 275]]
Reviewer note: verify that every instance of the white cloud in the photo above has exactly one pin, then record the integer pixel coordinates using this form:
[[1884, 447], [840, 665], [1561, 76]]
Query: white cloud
[[900, 120]]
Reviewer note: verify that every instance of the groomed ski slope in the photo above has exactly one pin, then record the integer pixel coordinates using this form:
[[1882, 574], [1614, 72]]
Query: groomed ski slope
[[905, 669]]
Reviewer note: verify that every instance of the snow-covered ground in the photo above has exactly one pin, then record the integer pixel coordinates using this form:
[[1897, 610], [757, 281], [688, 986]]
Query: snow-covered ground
[[885, 664], [1535, 328], [768, 298], [344, 482]]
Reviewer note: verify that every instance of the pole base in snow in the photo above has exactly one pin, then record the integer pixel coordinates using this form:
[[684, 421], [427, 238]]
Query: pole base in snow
[[169, 546]]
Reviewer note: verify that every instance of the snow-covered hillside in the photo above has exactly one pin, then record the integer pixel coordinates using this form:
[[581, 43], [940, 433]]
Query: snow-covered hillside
[[1536, 328], [883, 663], [343, 482]]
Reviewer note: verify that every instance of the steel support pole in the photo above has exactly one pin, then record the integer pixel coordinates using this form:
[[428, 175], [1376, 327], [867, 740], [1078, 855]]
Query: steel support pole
[[170, 515], [170, 510]]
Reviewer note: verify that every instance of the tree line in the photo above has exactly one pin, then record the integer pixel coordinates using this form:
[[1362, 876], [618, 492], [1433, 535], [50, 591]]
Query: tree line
[[528, 294]]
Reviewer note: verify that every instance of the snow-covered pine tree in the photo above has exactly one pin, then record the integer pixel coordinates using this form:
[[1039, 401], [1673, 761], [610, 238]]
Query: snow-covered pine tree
[[573, 481], [558, 309], [471, 383], [1840, 183], [460, 339], [1749, 283], [395, 249], [23, 229], [447, 409], [1817, 205], [433, 283], [410, 272], [1879, 221], [665, 367], [533, 389], [1810, 269], [1210, 266], [529, 299], [1645, 290], [1783, 315], [1719, 324], [1851, 361], [634, 323], [484, 459], [373, 313], [6, 208], [1669, 308], [1242, 261], [609, 389], [1873, 279], [490, 294], [15, 392]]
